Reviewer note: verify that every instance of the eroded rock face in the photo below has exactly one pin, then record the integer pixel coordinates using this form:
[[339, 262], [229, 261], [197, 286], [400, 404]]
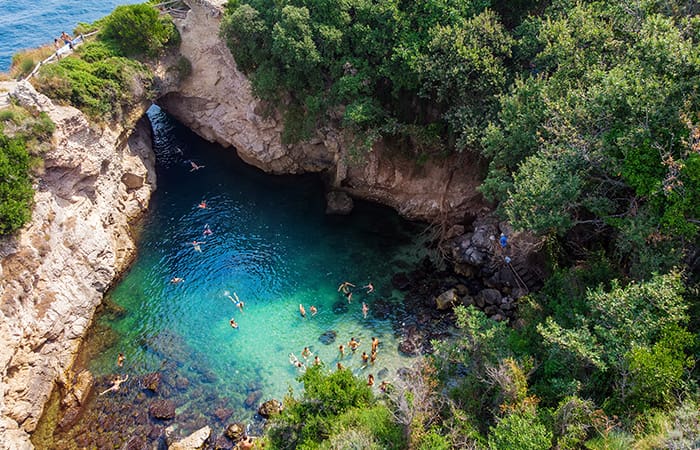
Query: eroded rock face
[[216, 102], [54, 271]]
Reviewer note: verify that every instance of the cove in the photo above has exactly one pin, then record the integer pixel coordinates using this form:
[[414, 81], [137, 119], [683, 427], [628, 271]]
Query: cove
[[273, 246]]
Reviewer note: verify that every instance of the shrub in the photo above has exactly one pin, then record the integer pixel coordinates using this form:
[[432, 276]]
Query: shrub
[[15, 184], [136, 30], [520, 431]]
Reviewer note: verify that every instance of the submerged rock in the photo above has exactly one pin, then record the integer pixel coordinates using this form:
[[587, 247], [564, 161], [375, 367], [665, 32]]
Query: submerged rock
[[328, 337], [151, 381], [338, 202], [340, 307], [162, 409], [270, 408], [253, 398], [447, 299]]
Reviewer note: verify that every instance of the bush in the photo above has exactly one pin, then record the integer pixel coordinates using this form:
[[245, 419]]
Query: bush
[[136, 30], [99, 88], [15, 184], [520, 431]]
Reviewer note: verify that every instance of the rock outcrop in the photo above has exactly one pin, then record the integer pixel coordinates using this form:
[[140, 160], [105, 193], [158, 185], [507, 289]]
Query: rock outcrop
[[55, 270], [216, 101]]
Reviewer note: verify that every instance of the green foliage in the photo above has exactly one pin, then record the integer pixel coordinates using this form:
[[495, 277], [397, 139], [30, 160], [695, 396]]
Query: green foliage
[[656, 373], [433, 440], [99, 88], [520, 431], [137, 30], [329, 403], [16, 191]]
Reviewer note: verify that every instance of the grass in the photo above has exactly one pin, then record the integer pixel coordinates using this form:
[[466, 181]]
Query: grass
[[24, 61]]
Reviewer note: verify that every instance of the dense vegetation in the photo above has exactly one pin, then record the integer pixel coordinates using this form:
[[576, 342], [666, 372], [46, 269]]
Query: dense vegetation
[[23, 136], [105, 75], [588, 114]]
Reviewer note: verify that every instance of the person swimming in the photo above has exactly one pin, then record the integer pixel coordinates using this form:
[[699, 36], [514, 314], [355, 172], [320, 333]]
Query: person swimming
[[233, 323], [237, 301], [207, 231], [365, 358], [365, 310], [176, 280], [203, 204], [313, 310], [302, 311], [369, 287], [375, 344], [196, 245], [345, 287], [195, 166], [116, 382], [370, 380], [306, 352], [120, 359]]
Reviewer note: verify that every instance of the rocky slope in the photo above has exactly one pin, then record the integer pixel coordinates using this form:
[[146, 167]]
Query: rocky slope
[[54, 272], [217, 103]]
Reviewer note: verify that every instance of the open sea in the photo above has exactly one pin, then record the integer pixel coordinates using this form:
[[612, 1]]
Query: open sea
[[32, 23]]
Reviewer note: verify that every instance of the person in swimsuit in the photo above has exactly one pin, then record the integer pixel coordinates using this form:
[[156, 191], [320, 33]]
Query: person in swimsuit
[[353, 344], [365, 310], [233, 323], [237, 301], [302, 311], [116, 382], [313, 310]]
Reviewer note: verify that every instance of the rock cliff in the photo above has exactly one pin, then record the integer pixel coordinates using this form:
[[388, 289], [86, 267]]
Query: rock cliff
[[216, 102], [54, 272]]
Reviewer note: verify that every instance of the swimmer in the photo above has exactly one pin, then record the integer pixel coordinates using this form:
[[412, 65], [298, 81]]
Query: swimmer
[[375, 344], [370, 380], [339, 366], [233, 323], [383, 386], [353, 344], [306, 353], [120, 359], [236, 301], [373, 357], [116, 382], [203, 204], [293, 359], [207, 231], [369, 288], [365, 309], [365, 358], [349, 296], [176, 280], [317, 361], [196, 246], [345, 287], [195, 166], [313, 310], [341, 349], [302, 311]]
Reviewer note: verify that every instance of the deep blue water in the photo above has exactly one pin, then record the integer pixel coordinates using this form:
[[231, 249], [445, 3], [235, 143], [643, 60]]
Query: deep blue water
[[32, 23]]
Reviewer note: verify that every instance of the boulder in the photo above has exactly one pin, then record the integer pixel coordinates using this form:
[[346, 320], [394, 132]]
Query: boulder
[[223, 413], [447, 299], [151, 381], [270, 408], [409, 347], [253, 398], [235, 431], [338, 202], [194, 441], [162, 409], [488, 297]]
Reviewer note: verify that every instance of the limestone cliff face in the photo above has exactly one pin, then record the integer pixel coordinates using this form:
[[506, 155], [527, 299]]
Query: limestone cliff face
[[217, 103], [54, 272]]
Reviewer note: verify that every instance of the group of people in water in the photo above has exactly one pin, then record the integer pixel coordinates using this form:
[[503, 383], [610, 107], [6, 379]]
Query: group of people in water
[[353, 345]]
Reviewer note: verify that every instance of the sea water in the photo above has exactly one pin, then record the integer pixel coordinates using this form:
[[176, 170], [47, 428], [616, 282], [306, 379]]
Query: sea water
[[26, 24], [272, 245]]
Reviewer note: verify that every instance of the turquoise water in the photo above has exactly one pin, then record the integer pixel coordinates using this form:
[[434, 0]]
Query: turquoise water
[[272, 245]]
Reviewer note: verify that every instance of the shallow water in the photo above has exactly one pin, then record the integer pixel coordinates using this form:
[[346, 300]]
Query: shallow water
[[273, 246]]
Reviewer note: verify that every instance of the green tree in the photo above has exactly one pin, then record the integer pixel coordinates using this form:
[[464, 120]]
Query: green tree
[[137, 30], [520, 431]]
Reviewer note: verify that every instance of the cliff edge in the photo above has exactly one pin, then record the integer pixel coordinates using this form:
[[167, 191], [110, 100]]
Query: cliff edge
[[54, 271]]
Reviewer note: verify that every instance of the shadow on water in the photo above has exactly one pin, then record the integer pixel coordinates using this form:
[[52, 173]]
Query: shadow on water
[[271, 245]]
